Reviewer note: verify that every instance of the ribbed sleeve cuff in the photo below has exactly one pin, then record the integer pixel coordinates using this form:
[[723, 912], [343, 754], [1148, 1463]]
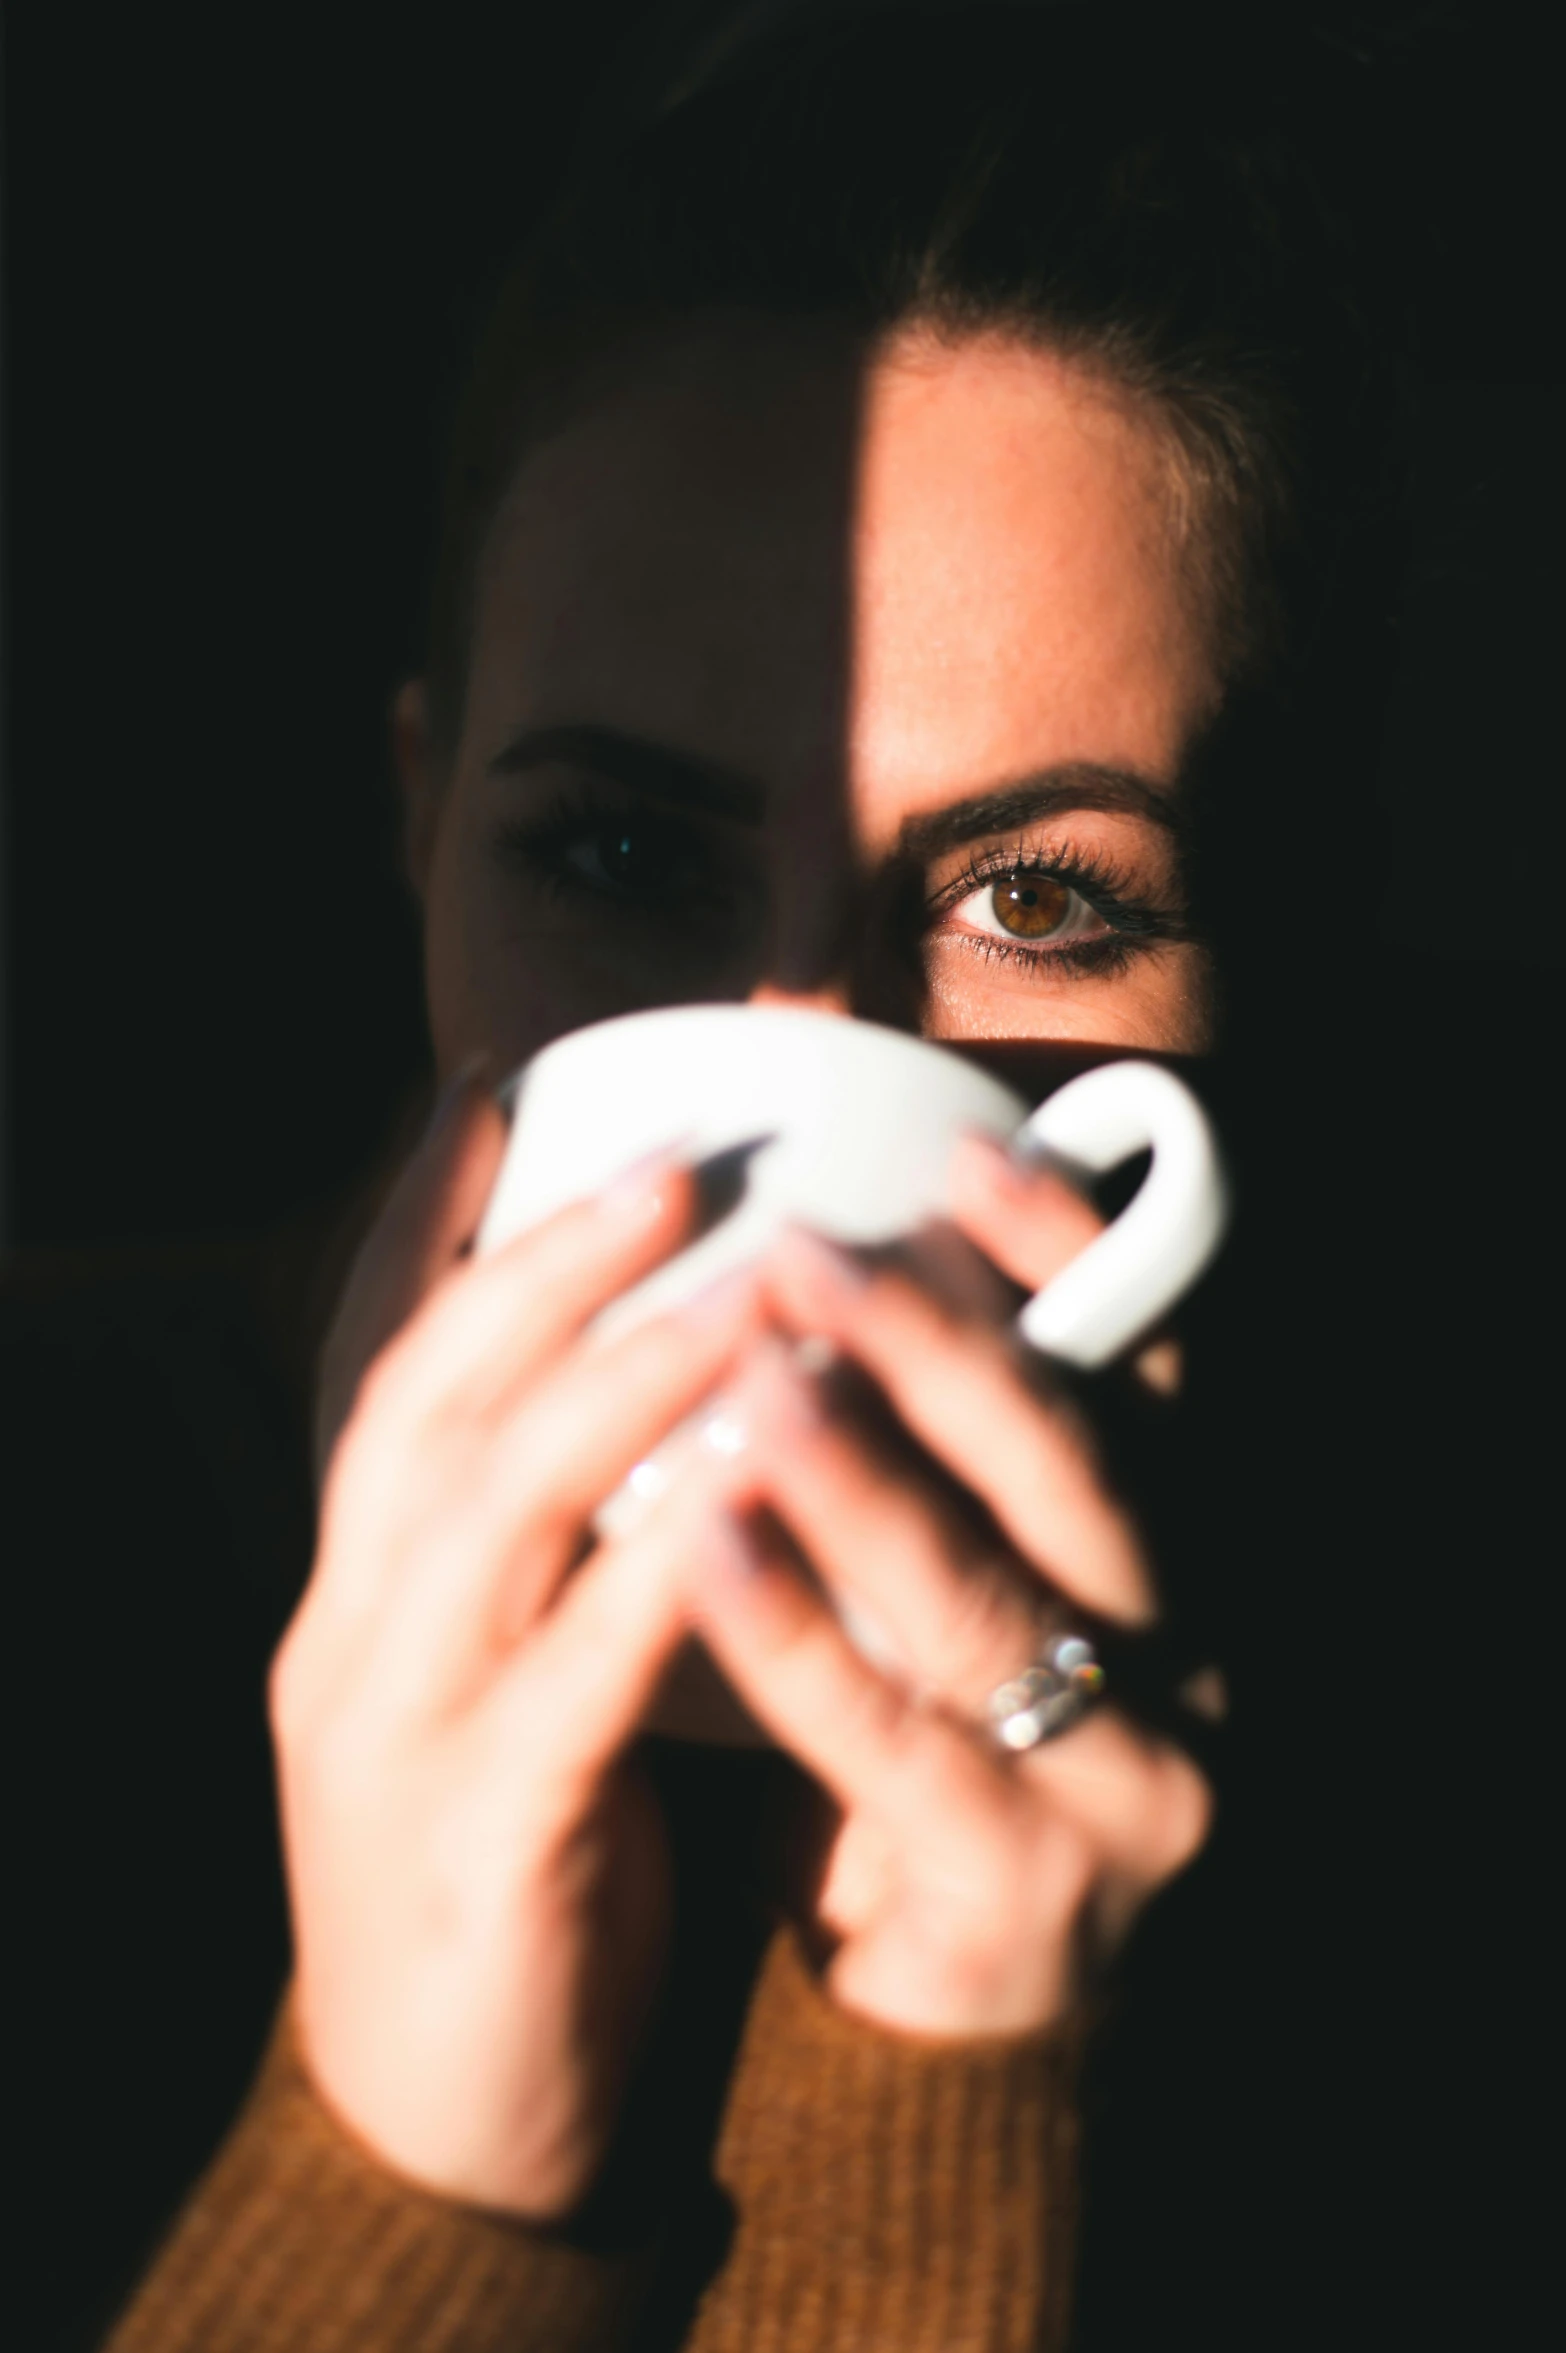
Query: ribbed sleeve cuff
[[892, 2195], [297, 2241]]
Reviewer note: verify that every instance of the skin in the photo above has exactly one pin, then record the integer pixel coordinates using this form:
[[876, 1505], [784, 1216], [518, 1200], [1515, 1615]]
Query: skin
[[1012, 601], [850, 598]]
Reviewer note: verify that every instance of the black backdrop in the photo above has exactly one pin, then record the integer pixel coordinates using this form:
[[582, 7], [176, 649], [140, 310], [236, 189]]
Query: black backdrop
[[245, 249]]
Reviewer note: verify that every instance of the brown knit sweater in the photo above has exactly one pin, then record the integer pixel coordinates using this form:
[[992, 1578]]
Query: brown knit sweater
[[889, 2196], [870, 2190]]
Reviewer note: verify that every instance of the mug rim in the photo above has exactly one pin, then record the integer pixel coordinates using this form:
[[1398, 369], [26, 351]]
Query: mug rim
[[798, 1018]]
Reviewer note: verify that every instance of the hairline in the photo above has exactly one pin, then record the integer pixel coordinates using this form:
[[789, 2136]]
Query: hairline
[[595, 361]]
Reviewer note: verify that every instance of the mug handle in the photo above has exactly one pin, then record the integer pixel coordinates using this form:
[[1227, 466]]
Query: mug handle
[[1133, 1273]]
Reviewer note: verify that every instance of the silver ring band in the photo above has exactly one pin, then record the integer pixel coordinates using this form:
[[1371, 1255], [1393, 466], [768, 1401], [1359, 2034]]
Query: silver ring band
[[1056, 1691]]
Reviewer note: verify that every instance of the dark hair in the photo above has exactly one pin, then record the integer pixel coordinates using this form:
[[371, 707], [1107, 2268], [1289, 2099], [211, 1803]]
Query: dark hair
[[1099, 181]]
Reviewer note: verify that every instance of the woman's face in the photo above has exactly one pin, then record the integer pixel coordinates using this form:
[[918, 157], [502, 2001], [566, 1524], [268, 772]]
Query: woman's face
[[867, 687]]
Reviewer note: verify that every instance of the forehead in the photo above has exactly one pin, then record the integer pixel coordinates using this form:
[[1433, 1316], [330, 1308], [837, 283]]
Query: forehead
[[908, 568]]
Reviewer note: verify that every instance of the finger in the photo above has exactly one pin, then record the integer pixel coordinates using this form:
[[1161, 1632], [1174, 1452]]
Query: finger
[[500, 1319], [958, 1386], [867, 1741], [1032, 1224], [416, 1472], [951, 1612], [565, 1707], [1028, 1220], [511, 1521], [958, 1620], [1141, 1804]]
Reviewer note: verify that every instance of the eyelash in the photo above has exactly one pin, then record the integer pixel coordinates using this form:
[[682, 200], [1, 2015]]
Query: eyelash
[[1135, 923], [538, 847]]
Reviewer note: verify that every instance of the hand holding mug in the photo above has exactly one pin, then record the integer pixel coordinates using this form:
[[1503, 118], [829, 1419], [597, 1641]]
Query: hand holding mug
[[961, 1882], [851, 1129], [477, 1874], [962, 1888], [477, 1879]]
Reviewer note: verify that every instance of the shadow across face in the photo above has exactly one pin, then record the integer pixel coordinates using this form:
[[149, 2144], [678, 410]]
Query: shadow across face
[[817, 674]]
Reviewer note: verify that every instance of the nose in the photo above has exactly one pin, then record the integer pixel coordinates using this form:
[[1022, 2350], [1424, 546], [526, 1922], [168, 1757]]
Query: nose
[[822, 1000]]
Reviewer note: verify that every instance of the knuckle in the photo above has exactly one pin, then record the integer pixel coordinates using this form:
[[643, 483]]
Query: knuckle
[[1187, 1808], [286, 1692], [325, 1734], [293, 1697]]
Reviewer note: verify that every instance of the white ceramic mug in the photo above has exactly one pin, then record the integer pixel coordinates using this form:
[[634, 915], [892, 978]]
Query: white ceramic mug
[[848, 1128]]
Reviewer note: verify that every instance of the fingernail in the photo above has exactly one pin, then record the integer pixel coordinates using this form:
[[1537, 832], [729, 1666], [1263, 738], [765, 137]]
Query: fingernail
[[1014, 1171], [1032, 1160], [990, 1161], [636, 1196], [835, 1273]]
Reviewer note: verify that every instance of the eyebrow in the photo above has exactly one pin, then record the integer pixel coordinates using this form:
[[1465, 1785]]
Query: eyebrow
[[1026, 800], [690, 782], [680, 777]]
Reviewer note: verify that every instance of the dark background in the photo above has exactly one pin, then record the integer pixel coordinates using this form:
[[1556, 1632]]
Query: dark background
[[245, 250], [244, 254]]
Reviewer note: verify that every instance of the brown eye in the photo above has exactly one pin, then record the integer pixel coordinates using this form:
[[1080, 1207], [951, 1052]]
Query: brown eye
[[1030, 906], [1039, 913]]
